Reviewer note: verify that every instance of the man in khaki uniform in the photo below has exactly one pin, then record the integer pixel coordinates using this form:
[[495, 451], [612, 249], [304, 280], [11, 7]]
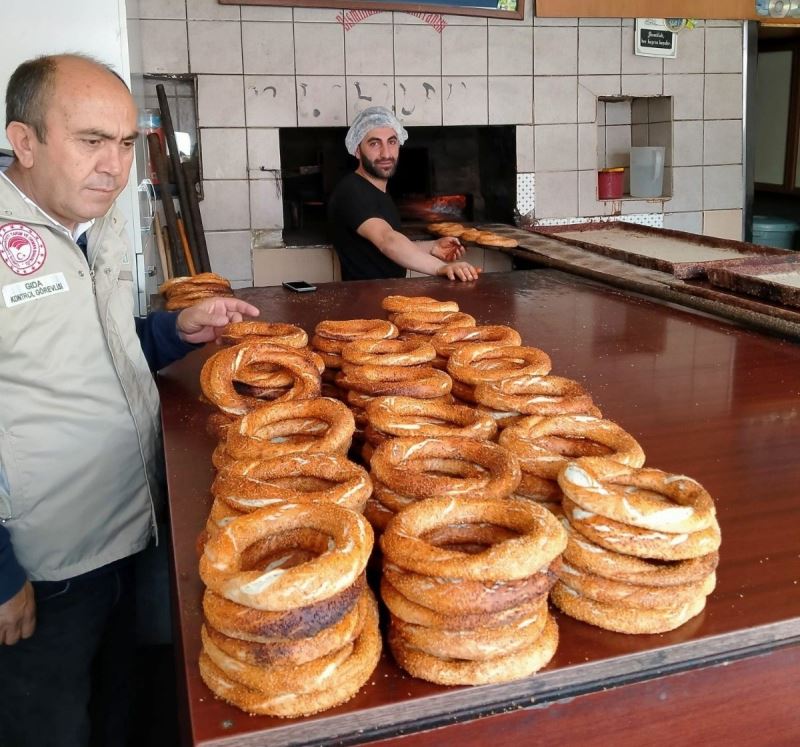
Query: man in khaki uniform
[[79, 423]]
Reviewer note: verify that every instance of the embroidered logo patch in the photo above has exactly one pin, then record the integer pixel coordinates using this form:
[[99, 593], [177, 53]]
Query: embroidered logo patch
[[21, 248]]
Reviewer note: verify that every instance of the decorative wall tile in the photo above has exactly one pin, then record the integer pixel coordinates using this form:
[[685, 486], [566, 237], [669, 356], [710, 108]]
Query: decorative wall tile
[[464, 50], [599, 50], [165, 47], [510, 100], [417, 51], [510, 50], [318, 48], [555, 99], [263, 151], [419, 100], [224, 153], [220, 101], [369, 50], [364, 91], [555, 51], [465, 101], [321, 101], [654, 220], [270, 100], [526, 193], [267, 49]]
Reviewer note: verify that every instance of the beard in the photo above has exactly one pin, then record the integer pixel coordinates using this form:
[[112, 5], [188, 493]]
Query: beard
[[376, 170]]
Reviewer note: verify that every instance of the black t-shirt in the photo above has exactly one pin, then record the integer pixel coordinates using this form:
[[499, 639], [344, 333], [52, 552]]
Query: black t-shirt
[[354, 201]]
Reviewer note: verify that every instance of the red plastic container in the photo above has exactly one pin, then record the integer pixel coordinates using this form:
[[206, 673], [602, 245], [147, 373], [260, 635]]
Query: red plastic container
[[610, 183]]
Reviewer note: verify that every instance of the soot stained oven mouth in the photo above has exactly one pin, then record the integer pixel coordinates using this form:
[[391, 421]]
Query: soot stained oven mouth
[[443, 173]]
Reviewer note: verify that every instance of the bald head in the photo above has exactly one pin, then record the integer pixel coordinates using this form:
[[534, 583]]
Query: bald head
[[32, 85]]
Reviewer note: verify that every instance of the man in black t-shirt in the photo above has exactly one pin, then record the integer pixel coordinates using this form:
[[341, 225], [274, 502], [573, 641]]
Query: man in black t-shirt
[[364, 222]]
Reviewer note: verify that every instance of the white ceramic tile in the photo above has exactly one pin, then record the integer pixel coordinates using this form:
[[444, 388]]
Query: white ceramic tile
[[510, 50], [419, 100], [465, 101], [525, 159], [723, 96], [642, 85], [417, 50], [687, 190], [618, 112], [687, 95], [719, 24], [318, 48], [224, 153], [642, 207], [723, 142], [722, 187], [724, 50], [724, 224], [587, 146], [633, 64], [588, 204], [210, 10], [555, 51], [230, 254], [639, 111], [266, 204], [510, 100], [464, 50], [640, 134], [220, 101], [659, 109], [268, 48], [556, 147], [164, 47], [687, 140], [690, 53], [263, 151], [555, 99], [364, 91], [618, 145], [599, 50], [265, 13], [368, 50], [557, 194], [540, 21], [321, 101], [453, 20], [689, 222], [215, 46], [225, 205], [316, 15], [592, 86], [161, 9], [270, 100], [600, 22]]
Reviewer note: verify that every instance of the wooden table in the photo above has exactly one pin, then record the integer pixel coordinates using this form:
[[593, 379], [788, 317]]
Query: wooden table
[[704, 398]]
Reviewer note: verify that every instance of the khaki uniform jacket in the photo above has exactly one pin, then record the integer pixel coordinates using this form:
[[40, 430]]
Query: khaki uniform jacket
[[79, 432]]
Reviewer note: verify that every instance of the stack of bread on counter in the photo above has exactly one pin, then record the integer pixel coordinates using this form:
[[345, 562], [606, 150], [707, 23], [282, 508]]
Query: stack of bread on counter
[[493, 485]]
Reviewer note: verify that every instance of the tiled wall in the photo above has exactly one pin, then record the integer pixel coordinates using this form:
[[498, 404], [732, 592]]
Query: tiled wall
[[260, 68]]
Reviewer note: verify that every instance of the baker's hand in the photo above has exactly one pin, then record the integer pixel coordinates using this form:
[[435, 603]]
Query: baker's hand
[[447, 249], [459, 271], [18, 616], [205, 320]]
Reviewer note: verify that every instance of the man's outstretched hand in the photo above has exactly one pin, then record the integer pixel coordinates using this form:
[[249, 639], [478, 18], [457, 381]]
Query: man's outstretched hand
[[459, 271], [204, 321]]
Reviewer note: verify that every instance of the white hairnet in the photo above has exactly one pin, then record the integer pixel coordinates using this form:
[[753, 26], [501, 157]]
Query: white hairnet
[[369, 119]]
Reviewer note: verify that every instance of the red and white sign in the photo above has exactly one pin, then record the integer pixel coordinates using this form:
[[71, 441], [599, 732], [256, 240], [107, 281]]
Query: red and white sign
[[21, 248]]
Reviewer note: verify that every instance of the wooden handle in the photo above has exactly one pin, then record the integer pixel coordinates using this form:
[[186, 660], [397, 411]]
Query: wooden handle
[[162, 250], [187, 254]]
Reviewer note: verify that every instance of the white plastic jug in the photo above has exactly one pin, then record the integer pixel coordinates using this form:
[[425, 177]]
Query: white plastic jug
[[647, 171]]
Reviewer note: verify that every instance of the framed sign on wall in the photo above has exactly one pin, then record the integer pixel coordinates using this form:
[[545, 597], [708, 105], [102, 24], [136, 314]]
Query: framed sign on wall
[[510, 9]]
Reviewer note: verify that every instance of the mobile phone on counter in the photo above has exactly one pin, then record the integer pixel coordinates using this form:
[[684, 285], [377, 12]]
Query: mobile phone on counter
[[299, 286]]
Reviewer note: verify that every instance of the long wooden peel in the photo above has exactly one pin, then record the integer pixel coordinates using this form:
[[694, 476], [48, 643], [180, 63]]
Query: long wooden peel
[[187, 252], [177, 172], [192, 176], [159, 160], [162, 250]]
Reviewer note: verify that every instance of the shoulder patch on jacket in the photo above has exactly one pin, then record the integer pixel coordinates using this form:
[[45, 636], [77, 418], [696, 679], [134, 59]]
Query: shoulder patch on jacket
[[21, 248]]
